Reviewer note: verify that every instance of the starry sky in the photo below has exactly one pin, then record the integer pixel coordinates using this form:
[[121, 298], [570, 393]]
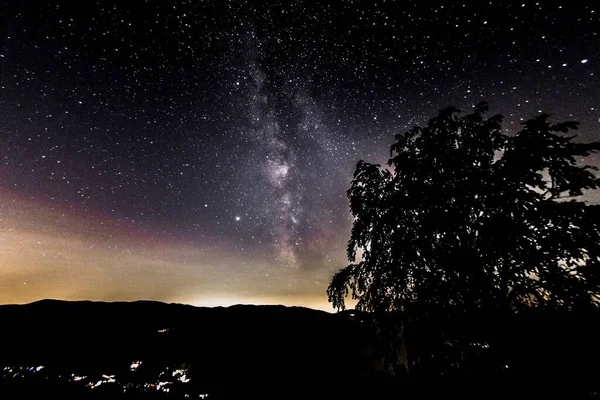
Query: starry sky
[[200, 151]]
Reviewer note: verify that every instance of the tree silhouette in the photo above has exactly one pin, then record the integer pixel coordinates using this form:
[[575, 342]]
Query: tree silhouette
[[467, 218]]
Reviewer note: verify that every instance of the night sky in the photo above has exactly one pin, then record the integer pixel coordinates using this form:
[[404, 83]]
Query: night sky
[[199, 151]]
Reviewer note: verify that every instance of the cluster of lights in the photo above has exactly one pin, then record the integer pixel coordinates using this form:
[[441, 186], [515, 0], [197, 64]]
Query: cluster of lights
[[480, 345], [135, 365], [105, 379], [20, 371], [77, 378], [180, 374]]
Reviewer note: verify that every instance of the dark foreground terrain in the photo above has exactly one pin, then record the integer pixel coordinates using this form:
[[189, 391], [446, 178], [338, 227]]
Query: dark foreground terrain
[[151, 350]]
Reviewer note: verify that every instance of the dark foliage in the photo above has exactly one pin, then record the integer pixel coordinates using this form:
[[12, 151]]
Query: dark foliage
[[469, 217], [467, 224]]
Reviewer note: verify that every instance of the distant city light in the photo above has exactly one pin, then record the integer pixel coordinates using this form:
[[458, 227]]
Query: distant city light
[[77, 378], [135, 365], [162, 383]]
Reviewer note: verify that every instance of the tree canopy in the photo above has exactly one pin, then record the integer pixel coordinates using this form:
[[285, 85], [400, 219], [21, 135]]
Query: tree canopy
[[467, 217]]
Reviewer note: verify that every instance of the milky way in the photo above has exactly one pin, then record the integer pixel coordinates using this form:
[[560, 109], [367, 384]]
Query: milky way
[[200, 152]]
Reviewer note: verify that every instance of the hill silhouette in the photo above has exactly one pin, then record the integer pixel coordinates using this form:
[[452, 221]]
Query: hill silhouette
[[239, 350], [147, 349]]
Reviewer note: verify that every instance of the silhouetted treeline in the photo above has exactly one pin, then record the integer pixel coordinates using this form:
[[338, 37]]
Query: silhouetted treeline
[[477, 258]]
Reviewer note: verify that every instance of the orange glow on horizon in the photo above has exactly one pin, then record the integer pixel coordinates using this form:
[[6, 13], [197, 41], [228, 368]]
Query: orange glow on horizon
[[51, 253]]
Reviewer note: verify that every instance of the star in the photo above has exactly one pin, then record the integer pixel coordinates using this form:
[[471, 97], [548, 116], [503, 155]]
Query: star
[[221, 126]]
